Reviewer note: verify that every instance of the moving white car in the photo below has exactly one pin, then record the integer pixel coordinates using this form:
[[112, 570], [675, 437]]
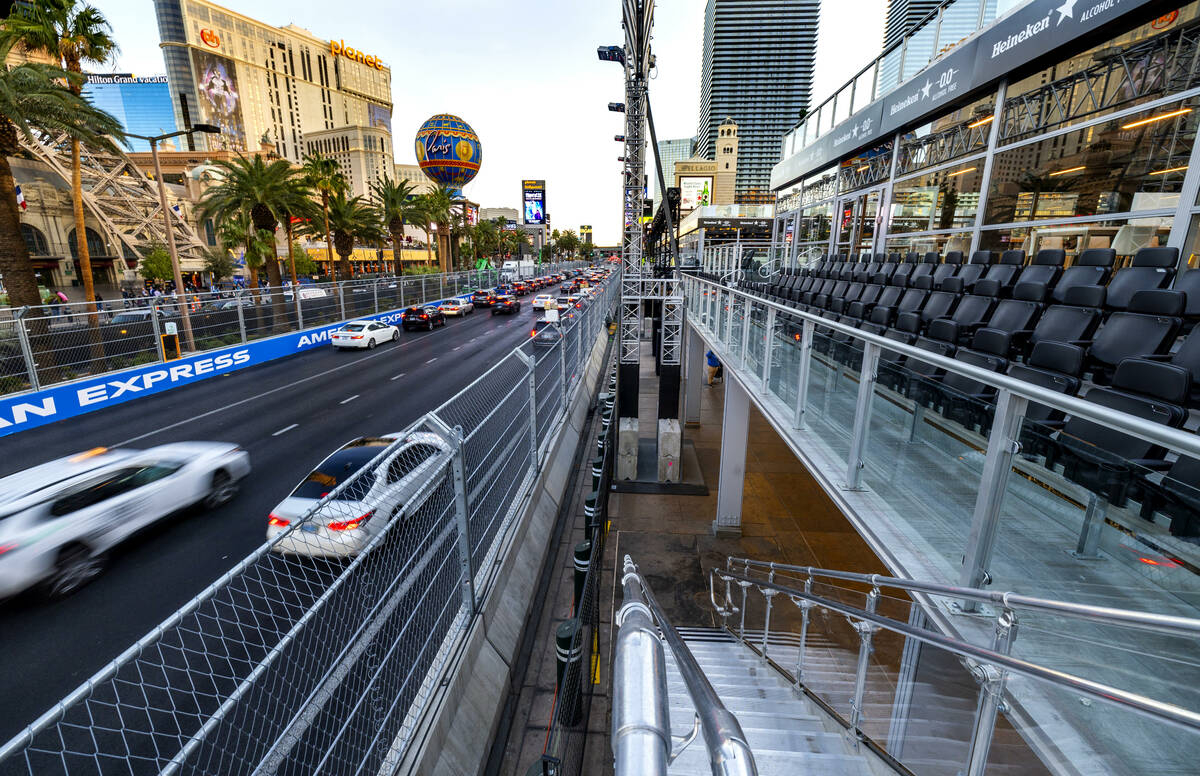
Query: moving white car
[[541, 300], [59, 520], [377, 481], [456, 307], [363, 334]]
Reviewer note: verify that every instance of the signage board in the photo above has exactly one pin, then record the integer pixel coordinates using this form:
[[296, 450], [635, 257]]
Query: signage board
[[220, 98], [339, 48], [734, 223], [695, 191], [533, 196]]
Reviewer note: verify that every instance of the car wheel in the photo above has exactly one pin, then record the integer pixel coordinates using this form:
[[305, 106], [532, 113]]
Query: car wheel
[[395, 335], [76, 566], [371, 344], [430, 328], [223, 490]]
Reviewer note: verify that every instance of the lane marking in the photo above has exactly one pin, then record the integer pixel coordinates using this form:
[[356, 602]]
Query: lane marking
[[347, 401], [285, 430], [430, 361], [458, 347], [397, 377]]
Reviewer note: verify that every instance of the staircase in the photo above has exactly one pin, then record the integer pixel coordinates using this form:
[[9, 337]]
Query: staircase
[[787, 732]]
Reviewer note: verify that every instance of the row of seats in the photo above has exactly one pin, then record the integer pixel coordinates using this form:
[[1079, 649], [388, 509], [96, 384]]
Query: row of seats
[[1114, 335]]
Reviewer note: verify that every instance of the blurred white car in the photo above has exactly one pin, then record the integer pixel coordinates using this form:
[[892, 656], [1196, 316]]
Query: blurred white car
[[541, 300], [59, 520], [456, 307], [379, 486], [363, 334]]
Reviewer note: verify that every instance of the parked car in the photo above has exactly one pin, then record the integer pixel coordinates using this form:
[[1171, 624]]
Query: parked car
[[376, 482], [363, 334], [422, 318], [59, 520], [456, 307], [507, 305]]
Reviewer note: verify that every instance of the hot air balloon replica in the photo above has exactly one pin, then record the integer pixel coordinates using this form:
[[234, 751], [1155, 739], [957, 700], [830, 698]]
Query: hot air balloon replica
[[449, 151]]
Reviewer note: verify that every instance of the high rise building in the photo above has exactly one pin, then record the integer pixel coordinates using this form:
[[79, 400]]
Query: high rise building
[[757, 71], [254, 80], [363, 153], [903, 15], [141, 104], [669, 151]]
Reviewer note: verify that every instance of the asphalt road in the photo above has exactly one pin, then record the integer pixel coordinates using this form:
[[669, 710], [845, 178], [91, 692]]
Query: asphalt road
[[288, 415]]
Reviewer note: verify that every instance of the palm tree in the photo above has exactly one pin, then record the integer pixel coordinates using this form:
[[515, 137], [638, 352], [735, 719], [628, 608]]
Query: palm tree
[[74, 34], [295, 202], [237, 231], [32, 101], [439, 207], [421, 219], [351, 219], [324, 176], [263, 190], [396, 207]]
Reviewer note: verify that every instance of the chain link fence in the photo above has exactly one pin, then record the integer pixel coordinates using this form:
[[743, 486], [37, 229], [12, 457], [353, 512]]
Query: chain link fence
[[43, 346], [321, 652]]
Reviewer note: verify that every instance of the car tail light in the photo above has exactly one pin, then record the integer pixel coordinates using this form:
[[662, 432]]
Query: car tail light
[[357, 336], [350, 525], [277, 521], [424, 317], [533, 332]]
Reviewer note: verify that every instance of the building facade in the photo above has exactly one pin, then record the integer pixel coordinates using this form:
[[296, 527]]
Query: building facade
[[254, 80], [141, 104], [416, 177], [669, 152], [364, 154], [1068, 145], [757, 70]]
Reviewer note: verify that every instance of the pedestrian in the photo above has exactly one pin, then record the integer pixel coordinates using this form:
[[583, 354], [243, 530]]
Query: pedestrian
[[713, 365]]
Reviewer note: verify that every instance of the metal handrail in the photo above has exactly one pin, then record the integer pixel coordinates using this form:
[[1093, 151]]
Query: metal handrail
[[1150, 621], [1180, 441], [1165, 712], [641, 725]]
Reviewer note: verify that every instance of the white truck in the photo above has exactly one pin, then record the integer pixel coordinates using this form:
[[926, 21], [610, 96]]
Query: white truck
[[516, 270]]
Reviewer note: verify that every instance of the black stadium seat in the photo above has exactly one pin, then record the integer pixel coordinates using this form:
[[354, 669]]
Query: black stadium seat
[[1045, 268], [974, 269], [1006, 272], [1152, 268], [1148, 328], [1090, 268]]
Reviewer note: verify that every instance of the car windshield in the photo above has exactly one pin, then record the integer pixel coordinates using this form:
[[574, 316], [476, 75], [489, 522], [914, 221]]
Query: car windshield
[[128, 317], [335, 470], [355, 326]]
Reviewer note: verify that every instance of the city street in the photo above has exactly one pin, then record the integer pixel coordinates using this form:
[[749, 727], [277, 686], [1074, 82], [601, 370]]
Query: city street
[[288, 415]]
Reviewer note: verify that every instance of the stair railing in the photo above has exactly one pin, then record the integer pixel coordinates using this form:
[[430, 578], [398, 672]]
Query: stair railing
[[991, 667], [641, 738]]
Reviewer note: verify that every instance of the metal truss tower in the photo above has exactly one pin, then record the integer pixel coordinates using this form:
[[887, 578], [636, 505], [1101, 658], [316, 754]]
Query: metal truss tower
[[118, 194]]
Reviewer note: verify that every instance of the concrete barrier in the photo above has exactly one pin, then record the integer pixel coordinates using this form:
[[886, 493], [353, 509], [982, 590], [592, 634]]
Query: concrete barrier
[[451, 738]]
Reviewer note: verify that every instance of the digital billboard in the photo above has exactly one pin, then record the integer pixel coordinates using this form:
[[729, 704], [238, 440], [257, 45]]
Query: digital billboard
[[533, 194], [379, 117], [220, 98], [695, 191], [585, 233]]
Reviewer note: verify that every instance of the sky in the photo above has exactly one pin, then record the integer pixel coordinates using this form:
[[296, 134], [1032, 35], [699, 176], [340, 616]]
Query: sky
[[526, 77]]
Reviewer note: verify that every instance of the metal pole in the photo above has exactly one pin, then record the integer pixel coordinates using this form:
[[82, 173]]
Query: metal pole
[[641, 727], [155, 326], [866, 632], [805, 606], [341, 287], [374, 294], [991, 695], [985, 521], [179, 292], [862, 416], [299, 307], [401, 293], [241, 313], [26, 351], [532, 380], [806, 340], [454, 437], [768, 348]]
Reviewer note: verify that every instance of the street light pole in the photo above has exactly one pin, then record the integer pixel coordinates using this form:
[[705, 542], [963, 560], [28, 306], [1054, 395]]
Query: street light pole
[[179, 291], [189, 340]]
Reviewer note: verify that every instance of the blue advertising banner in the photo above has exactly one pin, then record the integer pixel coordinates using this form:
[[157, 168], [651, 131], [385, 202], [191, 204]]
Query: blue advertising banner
[[30, 410]]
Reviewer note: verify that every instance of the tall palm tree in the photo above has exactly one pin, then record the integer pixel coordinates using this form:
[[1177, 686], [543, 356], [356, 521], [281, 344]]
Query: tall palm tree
[[237, 231], [351, 220], [396, 207], [295, 203], [263, 190], [32, 101], [74, 34], [439, 207], [324, 176], [421, 218]]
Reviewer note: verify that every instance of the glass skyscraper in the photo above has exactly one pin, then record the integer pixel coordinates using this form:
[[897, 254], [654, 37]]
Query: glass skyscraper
[[142, 105], [757, 71]]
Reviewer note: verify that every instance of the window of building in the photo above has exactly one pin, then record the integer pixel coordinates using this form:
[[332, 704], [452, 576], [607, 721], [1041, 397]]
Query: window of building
[[945, 199], [95, 244], [1134, 163], [1125, 236], [956, 133], [35, 241]]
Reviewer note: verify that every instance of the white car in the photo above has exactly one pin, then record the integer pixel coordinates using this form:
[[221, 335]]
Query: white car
[[457, 307], [343, 525], [363, 334], [542, 300], [59, 520]]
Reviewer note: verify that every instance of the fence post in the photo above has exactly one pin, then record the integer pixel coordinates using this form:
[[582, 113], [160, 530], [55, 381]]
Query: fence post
[[806, 340], [239, 295], [530, 363], [342, 297], [991, 695], [768, 346], [866, 631], [157, 329], [442, 286], [862, 416], [562, 361], [454, 437], [375, 294], [402, 293], [299, 307], [26, 351]]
